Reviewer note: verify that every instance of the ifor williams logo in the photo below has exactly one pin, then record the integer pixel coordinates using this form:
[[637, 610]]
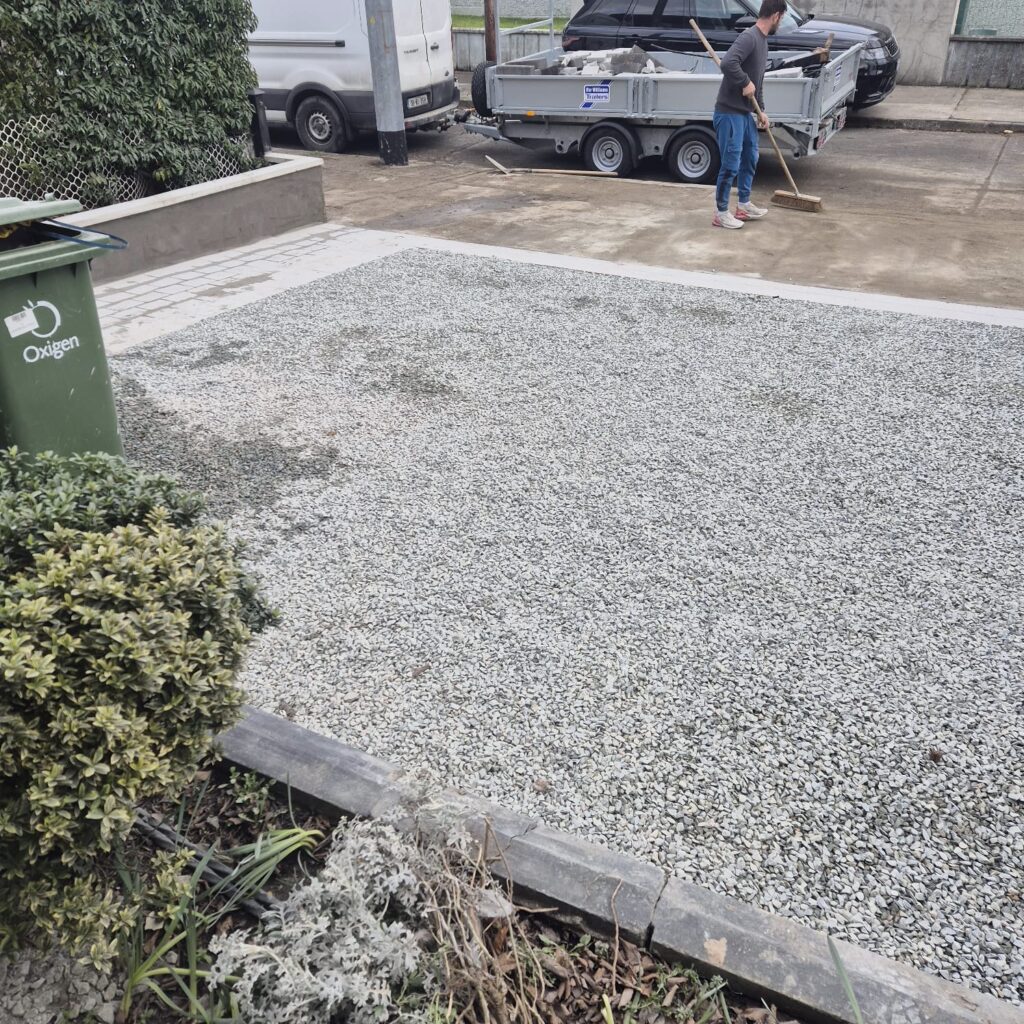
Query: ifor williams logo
[[42, 320]]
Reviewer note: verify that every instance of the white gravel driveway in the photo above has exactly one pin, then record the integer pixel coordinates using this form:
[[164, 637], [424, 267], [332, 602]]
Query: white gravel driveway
[[742, 581]]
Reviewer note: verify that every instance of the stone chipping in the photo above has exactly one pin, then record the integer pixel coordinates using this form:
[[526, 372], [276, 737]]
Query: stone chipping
[[733, 584]]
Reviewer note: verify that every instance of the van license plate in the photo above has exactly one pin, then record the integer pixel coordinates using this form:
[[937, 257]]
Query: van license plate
[[418, 101]]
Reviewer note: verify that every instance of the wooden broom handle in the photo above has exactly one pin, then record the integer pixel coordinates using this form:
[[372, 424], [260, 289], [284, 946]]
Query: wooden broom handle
[[757, 107]]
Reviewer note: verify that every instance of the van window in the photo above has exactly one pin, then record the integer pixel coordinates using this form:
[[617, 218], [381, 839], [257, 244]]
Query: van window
[[604, 12]]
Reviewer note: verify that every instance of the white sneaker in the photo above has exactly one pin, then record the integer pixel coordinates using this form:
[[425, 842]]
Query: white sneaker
[[748, 211], [726, 220]]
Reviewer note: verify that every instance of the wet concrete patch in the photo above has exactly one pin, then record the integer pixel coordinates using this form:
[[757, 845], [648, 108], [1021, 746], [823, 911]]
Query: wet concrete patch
[[415, 382], [234, 474]]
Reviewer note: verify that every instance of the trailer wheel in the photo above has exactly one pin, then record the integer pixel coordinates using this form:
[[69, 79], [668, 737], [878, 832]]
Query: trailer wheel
[[693, 157], [478, 88], [320, 125], [607, 147]]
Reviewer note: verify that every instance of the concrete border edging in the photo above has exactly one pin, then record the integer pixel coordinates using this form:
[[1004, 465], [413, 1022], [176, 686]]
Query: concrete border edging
[[925, 124], [763, 955], [221, 214]]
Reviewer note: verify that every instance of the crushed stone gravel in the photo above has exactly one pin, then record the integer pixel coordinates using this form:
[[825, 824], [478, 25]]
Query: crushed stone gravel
[[740, 579], [46, 987]]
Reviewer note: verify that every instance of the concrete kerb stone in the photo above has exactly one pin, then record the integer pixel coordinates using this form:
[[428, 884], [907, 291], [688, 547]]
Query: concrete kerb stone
[[583, 884], [791, 966], [928, 124], [587, 886], [327, 774], [319, 771]]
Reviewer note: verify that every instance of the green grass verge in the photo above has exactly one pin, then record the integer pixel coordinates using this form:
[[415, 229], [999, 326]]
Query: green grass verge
[[474, 21]]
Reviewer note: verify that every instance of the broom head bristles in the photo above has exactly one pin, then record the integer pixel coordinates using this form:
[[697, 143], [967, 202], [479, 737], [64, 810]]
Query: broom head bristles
[[793, 201]]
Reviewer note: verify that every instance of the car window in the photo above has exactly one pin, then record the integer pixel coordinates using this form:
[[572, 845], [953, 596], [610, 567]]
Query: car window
[[719, 14], [643, 13], [677, 14], [604, 12], [791, 21]]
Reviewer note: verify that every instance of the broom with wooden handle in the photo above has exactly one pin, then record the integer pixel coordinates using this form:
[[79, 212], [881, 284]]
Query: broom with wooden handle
[[794, 200]]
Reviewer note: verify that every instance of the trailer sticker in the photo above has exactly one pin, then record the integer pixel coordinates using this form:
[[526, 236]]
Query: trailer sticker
[[596, 94]]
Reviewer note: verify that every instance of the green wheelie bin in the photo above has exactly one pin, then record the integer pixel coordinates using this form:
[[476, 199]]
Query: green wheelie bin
[[55, 392]]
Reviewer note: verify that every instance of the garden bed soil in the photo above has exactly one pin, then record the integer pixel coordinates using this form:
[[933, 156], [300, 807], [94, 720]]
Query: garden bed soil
[[584, 978]]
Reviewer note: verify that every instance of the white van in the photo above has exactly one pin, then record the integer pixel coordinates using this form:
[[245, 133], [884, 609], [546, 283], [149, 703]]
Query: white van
[[312, 59]]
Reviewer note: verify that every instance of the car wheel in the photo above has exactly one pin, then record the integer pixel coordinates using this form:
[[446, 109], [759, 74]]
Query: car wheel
[[320, 125], [478, 88], [607, 147], [693, 157]]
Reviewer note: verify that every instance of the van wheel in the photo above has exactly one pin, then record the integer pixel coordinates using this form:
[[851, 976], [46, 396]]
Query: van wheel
[[693, 157], [478, 88], [320, 125], [610, 148]]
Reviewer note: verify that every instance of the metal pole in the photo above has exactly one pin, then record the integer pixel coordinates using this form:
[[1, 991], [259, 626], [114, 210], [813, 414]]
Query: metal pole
[[387, 85], [490, 31]]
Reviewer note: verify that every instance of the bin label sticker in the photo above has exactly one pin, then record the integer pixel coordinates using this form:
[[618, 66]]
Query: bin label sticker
[[596, 94], [21, 323], [28, 321]]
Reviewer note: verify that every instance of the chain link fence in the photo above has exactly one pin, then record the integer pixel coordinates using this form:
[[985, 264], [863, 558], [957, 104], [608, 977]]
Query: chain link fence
[[21, 141]]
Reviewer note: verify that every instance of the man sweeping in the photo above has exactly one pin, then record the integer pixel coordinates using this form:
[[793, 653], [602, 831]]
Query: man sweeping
[[743, 70]]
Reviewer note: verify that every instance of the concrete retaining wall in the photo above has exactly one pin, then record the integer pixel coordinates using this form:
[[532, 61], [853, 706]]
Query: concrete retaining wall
[[470, 48], [994, 63], [216, 215], [520, 8]]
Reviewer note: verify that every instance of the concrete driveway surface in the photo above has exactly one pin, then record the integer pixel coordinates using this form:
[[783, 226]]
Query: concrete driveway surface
[[921, 214]]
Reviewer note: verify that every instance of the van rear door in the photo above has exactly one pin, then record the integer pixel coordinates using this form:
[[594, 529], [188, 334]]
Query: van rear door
[[413, 66], [437, 31]]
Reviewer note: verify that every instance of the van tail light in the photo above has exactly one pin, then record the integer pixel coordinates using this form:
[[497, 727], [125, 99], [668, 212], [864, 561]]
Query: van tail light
[[568, 42]]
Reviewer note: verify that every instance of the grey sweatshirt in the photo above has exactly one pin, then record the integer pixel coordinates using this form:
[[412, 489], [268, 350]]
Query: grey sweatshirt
[[745, 62]]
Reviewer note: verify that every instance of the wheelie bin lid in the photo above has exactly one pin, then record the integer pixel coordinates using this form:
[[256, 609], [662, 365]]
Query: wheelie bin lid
[[20, 211], [49, 254]]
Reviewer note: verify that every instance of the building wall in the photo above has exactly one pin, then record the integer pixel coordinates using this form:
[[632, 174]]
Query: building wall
[[923, 28], [1003, 18]]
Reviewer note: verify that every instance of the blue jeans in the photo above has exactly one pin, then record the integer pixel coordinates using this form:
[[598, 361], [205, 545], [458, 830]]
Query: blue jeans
[[737, 142]]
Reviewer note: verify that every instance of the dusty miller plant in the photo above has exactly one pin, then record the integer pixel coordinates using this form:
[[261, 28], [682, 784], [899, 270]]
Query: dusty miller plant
[[344, 943]]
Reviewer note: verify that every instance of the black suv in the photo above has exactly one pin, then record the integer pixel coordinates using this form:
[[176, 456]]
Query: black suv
[[665, 25]]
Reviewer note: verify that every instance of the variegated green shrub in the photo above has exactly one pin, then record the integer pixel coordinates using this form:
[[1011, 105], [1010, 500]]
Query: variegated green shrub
[[122, 621]]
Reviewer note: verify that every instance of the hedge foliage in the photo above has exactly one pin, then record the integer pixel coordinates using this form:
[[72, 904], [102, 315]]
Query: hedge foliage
[[155, 87], [122, 621]]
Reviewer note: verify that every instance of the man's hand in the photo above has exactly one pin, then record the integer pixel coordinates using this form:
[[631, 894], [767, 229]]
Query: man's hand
[[762, 121], [749, 89]]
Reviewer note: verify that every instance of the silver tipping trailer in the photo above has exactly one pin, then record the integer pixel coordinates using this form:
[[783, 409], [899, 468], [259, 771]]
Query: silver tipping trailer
[[614, 120]]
